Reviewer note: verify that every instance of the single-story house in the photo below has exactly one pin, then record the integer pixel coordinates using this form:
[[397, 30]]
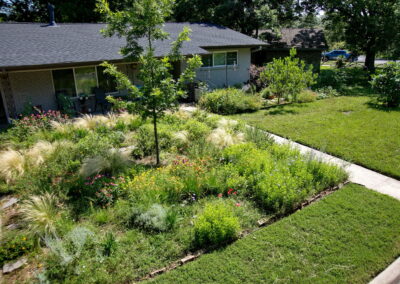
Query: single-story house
[[38, 61], [309, 44]]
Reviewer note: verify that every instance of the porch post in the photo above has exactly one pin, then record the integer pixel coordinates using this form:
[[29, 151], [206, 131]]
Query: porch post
[[7, 95]]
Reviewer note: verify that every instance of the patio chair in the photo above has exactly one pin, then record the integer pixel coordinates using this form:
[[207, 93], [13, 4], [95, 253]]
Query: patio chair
[[100, 99]]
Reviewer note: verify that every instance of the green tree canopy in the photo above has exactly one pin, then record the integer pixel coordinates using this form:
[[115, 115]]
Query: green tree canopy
[[367, 26]]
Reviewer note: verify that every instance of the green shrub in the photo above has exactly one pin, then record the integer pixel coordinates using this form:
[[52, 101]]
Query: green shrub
[[145, 139], [285, 187], [230, 101], [248, 159], [340, 62], [286, 77], [217, 225], [327, 92], [15, 248], [387, 83], [306, 96], [196, 130]]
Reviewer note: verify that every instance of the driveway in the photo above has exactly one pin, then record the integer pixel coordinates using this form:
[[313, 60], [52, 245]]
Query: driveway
[[361, 59]]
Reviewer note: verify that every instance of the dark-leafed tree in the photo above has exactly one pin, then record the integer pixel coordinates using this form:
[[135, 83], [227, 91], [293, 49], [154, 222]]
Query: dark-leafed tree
[[245, 16], [367, 26], [71, 11]]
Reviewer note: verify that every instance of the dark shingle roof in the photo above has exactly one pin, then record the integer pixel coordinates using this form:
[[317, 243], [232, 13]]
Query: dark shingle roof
[[291, 37], [30, 44]]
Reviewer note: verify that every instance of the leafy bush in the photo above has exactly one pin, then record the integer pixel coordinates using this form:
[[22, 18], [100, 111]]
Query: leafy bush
[[327, 92], [230, 101], [282, 190], [217, 225], [145, 139], [306, 96], [196, 130], [26, 125], [335, 79], [255, 73], [14, 248], [387, 83], [286, 77], [103, 190], [340, 62], [248, 159]]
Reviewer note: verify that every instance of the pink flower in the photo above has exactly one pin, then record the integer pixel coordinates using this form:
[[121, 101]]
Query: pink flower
[[237, 205], [220, 195]]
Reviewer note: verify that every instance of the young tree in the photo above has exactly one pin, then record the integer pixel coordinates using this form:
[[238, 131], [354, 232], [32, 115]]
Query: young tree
[[144, 20], [287, 77], [368, 26]]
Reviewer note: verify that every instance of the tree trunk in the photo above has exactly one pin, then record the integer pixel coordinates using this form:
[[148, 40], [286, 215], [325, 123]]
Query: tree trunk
[[370, 61], [156, 138]]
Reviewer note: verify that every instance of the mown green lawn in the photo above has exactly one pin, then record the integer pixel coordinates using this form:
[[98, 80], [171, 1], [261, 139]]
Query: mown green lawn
[[353, 128], [348, 237]]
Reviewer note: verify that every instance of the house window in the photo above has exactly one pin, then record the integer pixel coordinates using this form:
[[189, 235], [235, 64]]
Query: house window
[[106, 82], [86, 80], [64, 82], [231, 58], [207, 60], [219, 59]]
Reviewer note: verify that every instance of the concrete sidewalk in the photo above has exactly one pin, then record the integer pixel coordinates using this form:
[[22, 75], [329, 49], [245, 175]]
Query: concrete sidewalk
[[357, 174]]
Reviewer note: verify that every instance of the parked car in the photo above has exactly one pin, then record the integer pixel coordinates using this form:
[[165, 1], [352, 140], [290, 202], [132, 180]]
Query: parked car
[[334, 54]]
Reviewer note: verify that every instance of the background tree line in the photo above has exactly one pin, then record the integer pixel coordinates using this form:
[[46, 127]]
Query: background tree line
[[363, 26]]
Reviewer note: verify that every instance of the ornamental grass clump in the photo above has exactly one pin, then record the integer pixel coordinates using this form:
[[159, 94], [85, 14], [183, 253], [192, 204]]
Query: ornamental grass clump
[[12, 165], [91, 122], [112, 161], [216, 225], [40, 214]]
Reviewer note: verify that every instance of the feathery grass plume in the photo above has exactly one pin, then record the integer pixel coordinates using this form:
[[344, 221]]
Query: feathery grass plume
[[112, 120], [40, 214], [113, 161], [39, 152], [42, 150], [11, 165], [60, 127], [181, 136], [227, 123], [126, 117], [222, 138], [90, 122], [183, 115]]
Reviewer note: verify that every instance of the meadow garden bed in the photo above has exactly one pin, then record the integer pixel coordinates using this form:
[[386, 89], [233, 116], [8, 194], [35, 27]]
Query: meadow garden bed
[[94, 208]]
